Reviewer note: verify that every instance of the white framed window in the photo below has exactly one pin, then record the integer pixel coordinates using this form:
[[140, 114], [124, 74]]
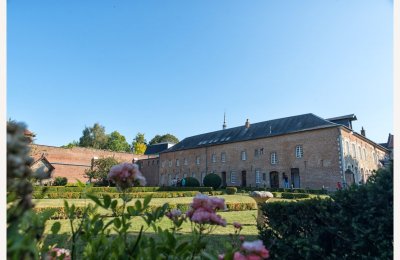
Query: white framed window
[[198, 160], [256, 153], [185, 161], [233, 177], [163, 164], [258, 176], [214, 158], [223, 157], [354, 153], [177, 162], [170, 163], [365, 154], [274, 158], [347, 148], [359, 152], [261, 151], [193, 174], [243, 156], [184, 175], [299, 151]]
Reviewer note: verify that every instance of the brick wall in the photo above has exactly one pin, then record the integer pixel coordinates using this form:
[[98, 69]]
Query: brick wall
[[319, 167], [72, 162], [149, 168]]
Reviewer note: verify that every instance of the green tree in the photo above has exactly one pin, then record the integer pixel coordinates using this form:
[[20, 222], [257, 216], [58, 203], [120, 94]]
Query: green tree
[[71, 144], [94, 137], [139, 144], [164, 138], [100, 169], [117, 142]]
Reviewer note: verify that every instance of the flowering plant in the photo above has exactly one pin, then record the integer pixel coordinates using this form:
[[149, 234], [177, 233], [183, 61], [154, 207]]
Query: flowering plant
[[126, 175]]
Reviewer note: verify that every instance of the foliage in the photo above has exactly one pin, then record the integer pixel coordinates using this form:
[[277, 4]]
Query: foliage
[[100, 169], [164, 138], [212, 180], [289, 195], [355, 224], [60, 181], [71, 144], [191, 182], [117, 142], [113, 189], [139, 144], [139, 148], [94, 137], [25, 229], [231, 190]]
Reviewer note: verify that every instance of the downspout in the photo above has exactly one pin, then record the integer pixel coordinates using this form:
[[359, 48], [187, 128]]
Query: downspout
[[341, 159], [206, 160]]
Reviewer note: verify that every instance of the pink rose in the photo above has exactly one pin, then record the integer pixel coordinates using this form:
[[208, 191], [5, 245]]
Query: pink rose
[[237, 225]]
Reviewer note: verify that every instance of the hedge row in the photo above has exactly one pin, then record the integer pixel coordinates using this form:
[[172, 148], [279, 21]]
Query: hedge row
[[114, 195], [309, 191], [288, 195], [113, 189], [60, 212]]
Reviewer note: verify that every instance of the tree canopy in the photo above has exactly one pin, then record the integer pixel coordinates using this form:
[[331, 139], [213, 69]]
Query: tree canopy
[[164, 138], [94, 137], [100, 169], [139, 144], [117, 142]]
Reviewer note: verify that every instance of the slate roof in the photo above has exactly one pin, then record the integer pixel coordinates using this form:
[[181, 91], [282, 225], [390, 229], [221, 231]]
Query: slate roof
[[264, 129], [157, 148]]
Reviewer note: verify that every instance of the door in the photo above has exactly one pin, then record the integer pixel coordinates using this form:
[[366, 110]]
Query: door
[[244, 183], [295, 174], [224, 179], [274, 179]]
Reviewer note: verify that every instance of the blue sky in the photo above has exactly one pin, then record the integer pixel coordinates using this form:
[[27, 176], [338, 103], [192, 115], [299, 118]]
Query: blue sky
[[175, 66]]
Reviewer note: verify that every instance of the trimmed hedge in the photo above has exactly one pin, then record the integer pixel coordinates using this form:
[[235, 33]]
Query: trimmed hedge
[[113, 189], [114, 195], [356, 223], [212, 180], [60, 213], [191, 182], [288, 195], [231, 190]]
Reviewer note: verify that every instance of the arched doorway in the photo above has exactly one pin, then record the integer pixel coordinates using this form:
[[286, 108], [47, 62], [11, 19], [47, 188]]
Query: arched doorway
[[274, 179]]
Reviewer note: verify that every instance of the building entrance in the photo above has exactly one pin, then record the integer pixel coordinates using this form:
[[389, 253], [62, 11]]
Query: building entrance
[[274, 179]]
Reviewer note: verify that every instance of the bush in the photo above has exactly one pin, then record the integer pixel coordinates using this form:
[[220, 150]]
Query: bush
[[60, 181], [231, 190], [356, 223], [191, 182], [288, 195], [212, 180]]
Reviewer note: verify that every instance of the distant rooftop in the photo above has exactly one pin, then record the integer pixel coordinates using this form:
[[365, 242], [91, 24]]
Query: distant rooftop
[[250, 131], [157, 148]]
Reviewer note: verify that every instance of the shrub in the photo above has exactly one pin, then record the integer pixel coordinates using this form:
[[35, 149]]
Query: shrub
[[191, 182], [231, 190], [60, 181], [356, 223], [212, 180], [288, 195]]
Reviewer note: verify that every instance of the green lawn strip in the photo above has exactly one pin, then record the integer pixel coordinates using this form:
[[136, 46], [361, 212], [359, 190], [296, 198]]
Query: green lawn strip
[[216, 241], [155, 201]]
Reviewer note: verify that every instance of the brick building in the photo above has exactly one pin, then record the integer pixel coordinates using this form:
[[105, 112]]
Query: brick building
[[311, 151], [72, 162]]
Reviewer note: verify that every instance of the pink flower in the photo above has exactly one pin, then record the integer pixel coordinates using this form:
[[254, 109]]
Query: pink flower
[[221, 256], [256, 247], [126, 175], [237, 225], [174, 214], [241, 238], [238, 256], [57, 253], [203, 210]]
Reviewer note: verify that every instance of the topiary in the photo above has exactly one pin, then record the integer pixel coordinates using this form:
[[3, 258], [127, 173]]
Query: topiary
[[231, 190], [191, 182], [212, 180], [60, 181]]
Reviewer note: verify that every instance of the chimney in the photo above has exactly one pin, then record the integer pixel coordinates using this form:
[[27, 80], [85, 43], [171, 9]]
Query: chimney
[[247, 124], [362, 131], [224, 124]]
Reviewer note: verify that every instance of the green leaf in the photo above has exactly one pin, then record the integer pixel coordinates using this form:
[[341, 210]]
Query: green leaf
[[95, 199], [138, 205], [107, 201], [55, 228], [147, 200], [117, 222]]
